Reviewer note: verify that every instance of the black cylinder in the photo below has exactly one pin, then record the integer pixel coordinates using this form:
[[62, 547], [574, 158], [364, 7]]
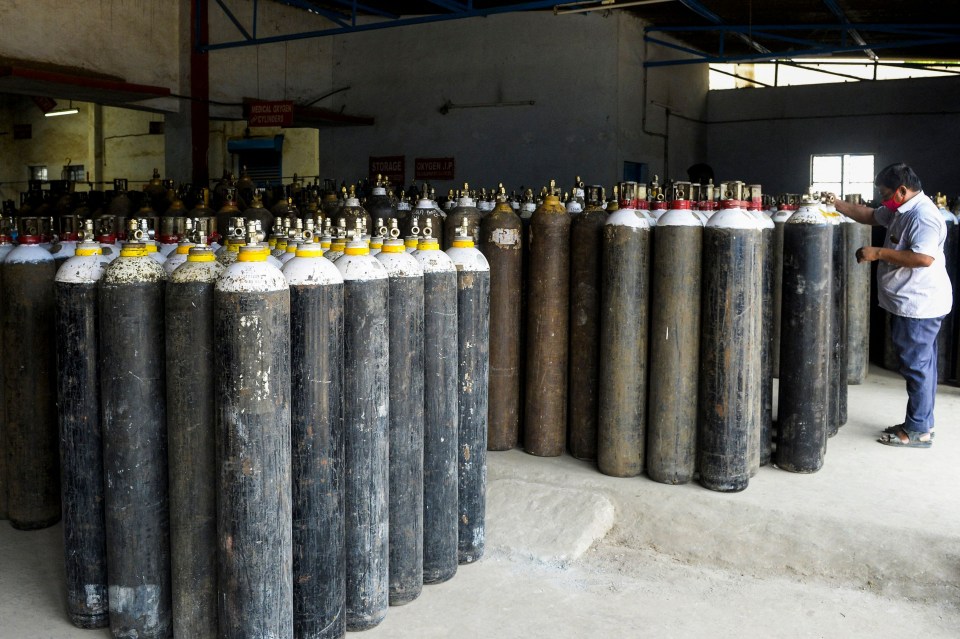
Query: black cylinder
[[766, 336], [729, 351], [473, 319], [784, 211], [858, 304], [621, 425], [838, 332], [406, 422], [192, 442], [366, 437], [674, 348], [316, 375], [586, 254], [29, 377], [946, 336], [135, 445], [805, 346], [254, 514], [440, 531], [81, 442]]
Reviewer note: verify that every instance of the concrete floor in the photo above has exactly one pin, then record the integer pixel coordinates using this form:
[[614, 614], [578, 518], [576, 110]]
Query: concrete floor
[[867, 547]]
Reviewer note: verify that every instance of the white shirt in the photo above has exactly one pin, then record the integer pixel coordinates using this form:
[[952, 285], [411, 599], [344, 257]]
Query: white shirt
[[919, 293]]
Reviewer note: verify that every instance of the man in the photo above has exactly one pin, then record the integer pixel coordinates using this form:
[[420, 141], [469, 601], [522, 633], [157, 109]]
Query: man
[[913, 287]]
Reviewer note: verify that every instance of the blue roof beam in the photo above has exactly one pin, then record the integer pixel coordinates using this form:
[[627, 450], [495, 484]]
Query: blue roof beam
[[842, 17], [702, 11]]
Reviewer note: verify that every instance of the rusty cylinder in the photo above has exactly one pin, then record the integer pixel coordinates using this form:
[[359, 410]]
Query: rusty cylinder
[[728, 423], [803, 418], [191, 437], [784, 211], [316, 419], [501, 243], [586, 255], [254, 514], [674, 346], [548, 294], [624, 303]]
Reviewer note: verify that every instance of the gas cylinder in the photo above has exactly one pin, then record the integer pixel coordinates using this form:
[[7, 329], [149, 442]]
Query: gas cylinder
[[473, 321], [674, 343], [728, 428], [227, 211], [119, 205], [858, 299], [366, 432], [281, 235], [380, 204], [192, 438], [339, 244], [406, 419], [786, 205], [946, 336], [501, 243], [527, 208], [625, 292], [351, 211], [294, 243], [466, 207], [234, 237], [381, 233], [171, 231], [30, 436], [145, 235], [330, 205], [838, 321], [256, 211], [440, 419], [805, 346], [254, 514], [319, 560], [207, 218], [548, 295], [417, 219], [81, 450], [66, 240], [135, 442], [106, 233], [180, 256], [586, 251], [765, 330]]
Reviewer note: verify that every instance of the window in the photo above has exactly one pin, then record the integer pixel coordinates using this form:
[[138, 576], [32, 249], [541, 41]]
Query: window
[[38, 172], [73, 172], [845, 174]]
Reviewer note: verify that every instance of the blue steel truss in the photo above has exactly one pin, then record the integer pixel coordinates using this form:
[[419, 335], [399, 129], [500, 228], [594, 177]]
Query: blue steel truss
[[346, 21]]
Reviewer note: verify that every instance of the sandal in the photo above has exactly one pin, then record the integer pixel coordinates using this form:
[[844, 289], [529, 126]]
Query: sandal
[[892, 430], [913, 439]]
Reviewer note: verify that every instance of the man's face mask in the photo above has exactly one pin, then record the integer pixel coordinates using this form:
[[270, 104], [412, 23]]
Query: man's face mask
[[892, 203]]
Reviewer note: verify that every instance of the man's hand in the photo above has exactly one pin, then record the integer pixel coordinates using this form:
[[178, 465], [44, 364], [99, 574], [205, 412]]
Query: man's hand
[[868, 254]]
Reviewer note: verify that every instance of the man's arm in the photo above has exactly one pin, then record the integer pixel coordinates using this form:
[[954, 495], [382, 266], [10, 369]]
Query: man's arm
[[905, 258], [857, 212]]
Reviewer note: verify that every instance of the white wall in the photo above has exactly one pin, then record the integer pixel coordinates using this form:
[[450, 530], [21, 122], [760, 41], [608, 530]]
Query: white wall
[[768, 135], [584, 73]]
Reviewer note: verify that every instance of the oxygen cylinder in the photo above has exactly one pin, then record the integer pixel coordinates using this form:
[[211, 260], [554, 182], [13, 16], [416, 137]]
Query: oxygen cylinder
[[366, 405], [351, 211], [135, 442], [339, 243], [858, 299], [182, 252], [380, 204], [30, 433], [319, 561], [586, 250], [786, 206], [838, 322], [501, 244], [169, 234], [7, 230], [625, 294], [728, 428], [767, 228], [805, 347], [674, 344], [406, 419], [417, 219], [527, 208], [81, 441], [548, 294], [440, 418], [233, 235], [946, 336], [473, 328], [256, 211], [254, 515], [466, 207]]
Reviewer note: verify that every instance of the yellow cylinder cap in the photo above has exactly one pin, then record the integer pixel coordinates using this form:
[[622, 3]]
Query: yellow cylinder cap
[[151, 247], [94, 250], [429, 243], [463, 243], [253, 254], [133, 251], [358, 250], [201, 257], [184, 250], [310, 250]]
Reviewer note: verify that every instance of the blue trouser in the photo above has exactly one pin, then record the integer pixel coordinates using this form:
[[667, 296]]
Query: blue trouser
[[915, 341]]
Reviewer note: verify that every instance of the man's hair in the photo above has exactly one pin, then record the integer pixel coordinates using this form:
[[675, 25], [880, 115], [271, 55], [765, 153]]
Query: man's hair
[[898, 174]]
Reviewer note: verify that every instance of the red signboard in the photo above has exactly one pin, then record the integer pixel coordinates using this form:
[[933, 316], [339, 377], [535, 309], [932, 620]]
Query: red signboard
[[276, 113], [391, 167], [433, 169]]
